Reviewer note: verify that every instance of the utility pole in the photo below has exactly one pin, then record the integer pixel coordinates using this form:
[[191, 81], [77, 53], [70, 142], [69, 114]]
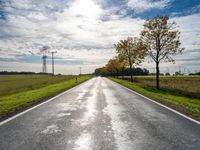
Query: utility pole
[[189, 71], [44, 65], [180, 70], [168, 70], [52, 56], [80, 70], [43, 51]]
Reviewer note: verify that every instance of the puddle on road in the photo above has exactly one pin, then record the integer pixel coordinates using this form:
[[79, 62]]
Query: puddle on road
[[90, 105], [114, 110], [83, 142], [72, 105], [51, 129], [91, 112], [80, 95], [66, 107], [63, 115]]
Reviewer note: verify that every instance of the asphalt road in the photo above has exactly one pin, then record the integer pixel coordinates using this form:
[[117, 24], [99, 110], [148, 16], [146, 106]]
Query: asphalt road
[[100, 115]]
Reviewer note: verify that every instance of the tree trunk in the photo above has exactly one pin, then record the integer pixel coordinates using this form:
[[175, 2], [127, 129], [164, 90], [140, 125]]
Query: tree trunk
[[131, 71], [157, 76], [123, 74]]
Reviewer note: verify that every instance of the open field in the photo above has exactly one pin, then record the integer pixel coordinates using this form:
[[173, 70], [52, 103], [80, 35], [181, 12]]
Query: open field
[[10, 84], [185, 85], [184, 104], [25, 91]]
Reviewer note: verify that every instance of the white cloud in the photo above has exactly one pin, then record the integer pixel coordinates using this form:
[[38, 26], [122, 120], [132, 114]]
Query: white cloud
[[190, 39], [144, 5], [76, 30], [190, 31], [87, 8]]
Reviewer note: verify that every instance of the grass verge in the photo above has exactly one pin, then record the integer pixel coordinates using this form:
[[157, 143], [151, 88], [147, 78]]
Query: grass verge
[[14, 103], [12, 84], [180, 84], [186, 105]]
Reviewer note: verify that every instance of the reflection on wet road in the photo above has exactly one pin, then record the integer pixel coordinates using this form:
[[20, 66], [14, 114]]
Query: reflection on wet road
[[99, 115]]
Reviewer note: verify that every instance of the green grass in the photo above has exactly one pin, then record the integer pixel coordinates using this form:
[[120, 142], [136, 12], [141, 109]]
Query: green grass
[[13, 103], [10, 84], [185, 85], [186, 105]]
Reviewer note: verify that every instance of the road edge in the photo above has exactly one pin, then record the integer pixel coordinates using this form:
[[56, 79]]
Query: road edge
[[40, 104], [164, 106]]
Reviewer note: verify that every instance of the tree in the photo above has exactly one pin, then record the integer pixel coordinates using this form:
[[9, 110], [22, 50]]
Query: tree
[[120, 65], [115, 66], [98, 71], [167, 74], [111, 67], [162, 41], [132, 51]]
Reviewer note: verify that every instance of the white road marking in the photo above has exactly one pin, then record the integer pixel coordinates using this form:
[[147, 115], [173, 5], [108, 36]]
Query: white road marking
[[187, 117]]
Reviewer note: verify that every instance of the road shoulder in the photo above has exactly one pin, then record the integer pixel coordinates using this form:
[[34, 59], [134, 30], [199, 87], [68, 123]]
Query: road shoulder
[[184, 106]]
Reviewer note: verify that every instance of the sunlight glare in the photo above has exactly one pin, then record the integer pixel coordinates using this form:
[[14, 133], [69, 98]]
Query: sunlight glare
[[87, 8]]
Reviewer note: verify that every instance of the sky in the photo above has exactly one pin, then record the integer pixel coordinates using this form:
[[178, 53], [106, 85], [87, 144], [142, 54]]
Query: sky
[[83, 32]]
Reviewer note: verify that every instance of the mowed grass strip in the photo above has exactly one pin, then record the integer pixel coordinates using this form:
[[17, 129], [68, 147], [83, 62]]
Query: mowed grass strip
[[186, 105], [13, 103]]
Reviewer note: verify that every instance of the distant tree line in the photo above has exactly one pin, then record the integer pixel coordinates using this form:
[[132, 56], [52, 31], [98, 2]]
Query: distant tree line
[[198, 73], [126, 72], [16, 72]]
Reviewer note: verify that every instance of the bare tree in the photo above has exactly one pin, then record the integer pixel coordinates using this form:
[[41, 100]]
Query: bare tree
[[162, 40], [132, 51]]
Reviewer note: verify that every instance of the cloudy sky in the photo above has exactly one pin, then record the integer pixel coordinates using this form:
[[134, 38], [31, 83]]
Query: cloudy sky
[[83, 32]]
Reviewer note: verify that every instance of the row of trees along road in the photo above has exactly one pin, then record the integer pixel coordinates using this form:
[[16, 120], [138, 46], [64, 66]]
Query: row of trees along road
[[159, 40]]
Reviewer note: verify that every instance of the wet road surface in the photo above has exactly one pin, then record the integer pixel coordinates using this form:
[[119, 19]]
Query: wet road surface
[[99, 115]]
